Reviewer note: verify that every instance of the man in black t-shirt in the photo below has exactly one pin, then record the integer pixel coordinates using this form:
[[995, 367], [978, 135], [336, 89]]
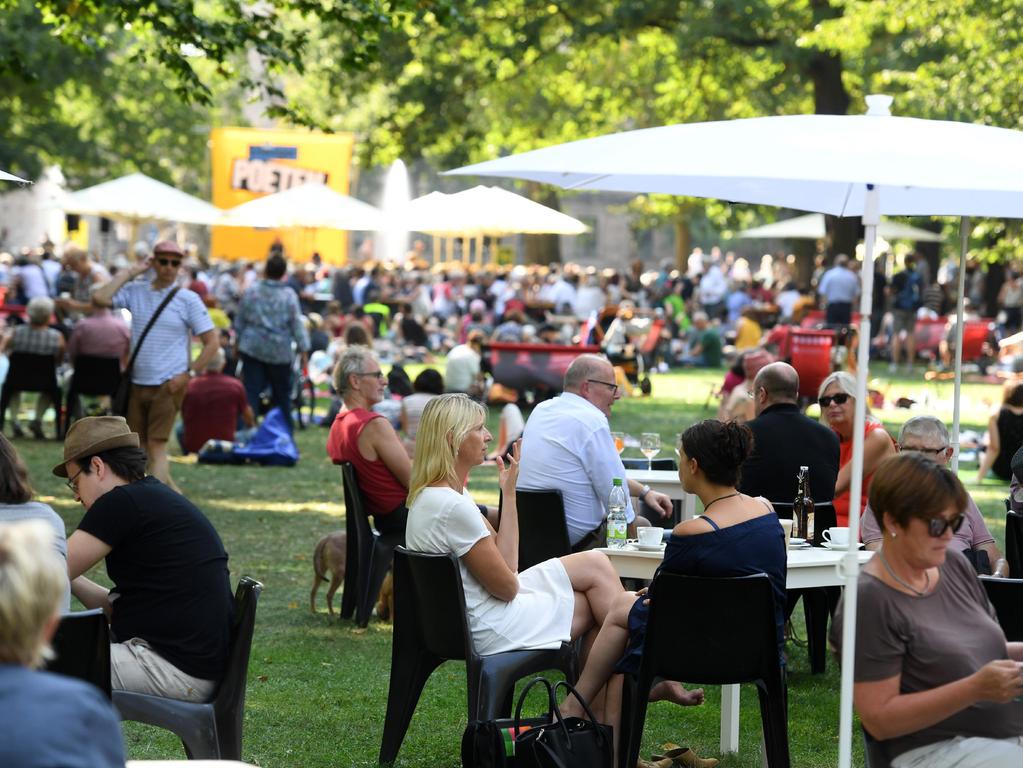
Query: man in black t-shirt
[[170, 606]]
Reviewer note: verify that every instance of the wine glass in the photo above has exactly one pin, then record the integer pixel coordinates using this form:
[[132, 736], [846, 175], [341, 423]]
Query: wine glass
[[619, 438], [650, 446]]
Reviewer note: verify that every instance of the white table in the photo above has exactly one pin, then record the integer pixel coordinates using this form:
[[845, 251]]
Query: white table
[[806, 568], [666, 481]]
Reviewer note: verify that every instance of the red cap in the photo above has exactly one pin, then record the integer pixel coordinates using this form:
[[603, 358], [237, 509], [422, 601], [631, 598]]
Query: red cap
[[168, 246]]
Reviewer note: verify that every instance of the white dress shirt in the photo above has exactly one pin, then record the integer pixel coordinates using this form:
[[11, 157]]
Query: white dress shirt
[[567, 446]]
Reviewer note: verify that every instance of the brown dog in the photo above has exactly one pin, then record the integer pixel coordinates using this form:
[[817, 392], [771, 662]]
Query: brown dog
[[330, 555], [385, 602]]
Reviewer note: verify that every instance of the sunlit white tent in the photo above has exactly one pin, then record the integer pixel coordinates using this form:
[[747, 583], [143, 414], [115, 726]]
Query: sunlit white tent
[[308, 205], [812, 227], [5, 176], [486, 212], [864, 165], [137, 198]]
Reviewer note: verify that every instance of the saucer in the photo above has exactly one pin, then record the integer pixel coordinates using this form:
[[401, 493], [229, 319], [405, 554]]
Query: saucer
[[841, 547], [795, 541], [650, 547]]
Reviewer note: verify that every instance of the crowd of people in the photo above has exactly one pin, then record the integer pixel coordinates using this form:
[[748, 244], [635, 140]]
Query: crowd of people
[[918, 691]]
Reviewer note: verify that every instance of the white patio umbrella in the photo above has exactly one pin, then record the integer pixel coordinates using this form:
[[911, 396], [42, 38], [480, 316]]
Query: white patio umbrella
[[5, 176], [812, 227], [137, 198], [308, 205], [843, 165]]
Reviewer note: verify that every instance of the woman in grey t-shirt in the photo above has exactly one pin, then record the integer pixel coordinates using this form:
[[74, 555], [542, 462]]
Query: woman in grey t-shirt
[[16, 504], [935, 681]]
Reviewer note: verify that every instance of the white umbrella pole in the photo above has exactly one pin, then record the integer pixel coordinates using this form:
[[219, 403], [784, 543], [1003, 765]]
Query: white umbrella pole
[[850, 566], [964, 242]]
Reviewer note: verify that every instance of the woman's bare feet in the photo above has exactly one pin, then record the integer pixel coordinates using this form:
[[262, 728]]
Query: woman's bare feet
[[669, 690]]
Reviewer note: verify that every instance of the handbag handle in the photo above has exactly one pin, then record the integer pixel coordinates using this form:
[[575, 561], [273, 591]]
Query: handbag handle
[[552, 707], [578, 697]]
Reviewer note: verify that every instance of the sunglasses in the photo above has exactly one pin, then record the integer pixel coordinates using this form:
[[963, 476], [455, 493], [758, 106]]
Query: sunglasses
[[840, 399], [927, 451], [169, 262], [378, 375], [936, 526]]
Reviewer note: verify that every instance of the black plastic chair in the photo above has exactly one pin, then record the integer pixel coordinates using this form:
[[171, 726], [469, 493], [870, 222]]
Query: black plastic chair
[[431, 627], [81, 647], [657, 464], [542, 531], [32, 373], [1006, 595], [737, 643], [209, 730], [1014, 543], [93, 376], [368, 554], [874, 753]]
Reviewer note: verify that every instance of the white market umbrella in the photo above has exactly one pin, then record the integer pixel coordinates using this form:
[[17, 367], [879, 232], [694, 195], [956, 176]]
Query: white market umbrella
[[136, 198], [812, 227], [307, 205], [5, 176], [842, 165]]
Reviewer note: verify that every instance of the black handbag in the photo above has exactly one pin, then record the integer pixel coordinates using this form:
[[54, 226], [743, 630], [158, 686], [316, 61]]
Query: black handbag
[[549, 741], [119, 402]]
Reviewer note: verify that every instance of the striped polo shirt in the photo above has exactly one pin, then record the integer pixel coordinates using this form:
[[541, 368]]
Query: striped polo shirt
[[167, 348]]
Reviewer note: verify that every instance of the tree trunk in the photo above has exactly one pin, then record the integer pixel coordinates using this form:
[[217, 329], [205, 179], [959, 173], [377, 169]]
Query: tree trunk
[[683, 241]]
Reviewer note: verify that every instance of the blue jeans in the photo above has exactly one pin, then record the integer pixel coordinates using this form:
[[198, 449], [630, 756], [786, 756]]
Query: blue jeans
[[257, 376]]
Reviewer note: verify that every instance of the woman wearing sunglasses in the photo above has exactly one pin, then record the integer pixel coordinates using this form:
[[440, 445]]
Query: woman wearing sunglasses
[[936, 682], [837, 399]]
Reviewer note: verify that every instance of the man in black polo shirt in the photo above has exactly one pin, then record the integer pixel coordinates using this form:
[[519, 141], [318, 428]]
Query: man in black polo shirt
[[170, 606]]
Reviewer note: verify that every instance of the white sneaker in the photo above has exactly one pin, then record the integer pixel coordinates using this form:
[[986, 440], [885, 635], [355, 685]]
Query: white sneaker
[[892, 367]]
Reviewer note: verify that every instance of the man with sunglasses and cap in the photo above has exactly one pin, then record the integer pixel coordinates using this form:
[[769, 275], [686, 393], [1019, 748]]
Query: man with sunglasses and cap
[[163, 365], [929, 436], [170, 607]]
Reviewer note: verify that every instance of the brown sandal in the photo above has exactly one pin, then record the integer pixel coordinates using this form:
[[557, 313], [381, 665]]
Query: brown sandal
[[683, 756]]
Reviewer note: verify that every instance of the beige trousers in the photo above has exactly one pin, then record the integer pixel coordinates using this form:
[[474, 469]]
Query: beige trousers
[[135, 666]]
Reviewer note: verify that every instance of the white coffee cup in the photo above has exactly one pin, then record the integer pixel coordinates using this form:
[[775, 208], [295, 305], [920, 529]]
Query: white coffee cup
[[839, 537], [650, 536], [786, 525]]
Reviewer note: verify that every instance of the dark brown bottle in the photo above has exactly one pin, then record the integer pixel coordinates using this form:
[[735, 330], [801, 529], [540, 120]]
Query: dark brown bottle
[[802, 508]]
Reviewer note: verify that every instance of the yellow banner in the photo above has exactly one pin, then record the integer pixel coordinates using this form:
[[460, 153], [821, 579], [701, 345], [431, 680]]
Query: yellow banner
[[252, 162]]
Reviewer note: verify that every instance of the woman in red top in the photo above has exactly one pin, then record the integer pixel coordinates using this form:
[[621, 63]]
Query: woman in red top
[[368, 440], [837, 398]]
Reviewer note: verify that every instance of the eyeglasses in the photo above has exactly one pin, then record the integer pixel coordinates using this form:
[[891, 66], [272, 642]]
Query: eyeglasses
[[840, 399], [920, 449], [936, 526], [70, 482], [609, 385], [378, 374], [169, 262]]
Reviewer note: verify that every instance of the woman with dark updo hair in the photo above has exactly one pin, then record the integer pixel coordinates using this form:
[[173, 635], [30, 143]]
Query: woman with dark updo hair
[[737, 535]]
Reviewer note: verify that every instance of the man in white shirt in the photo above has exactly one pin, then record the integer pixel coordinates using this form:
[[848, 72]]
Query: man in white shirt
[[567, 445]]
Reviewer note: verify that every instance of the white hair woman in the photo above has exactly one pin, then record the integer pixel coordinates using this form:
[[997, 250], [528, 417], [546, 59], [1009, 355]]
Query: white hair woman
[[837, 399], [36, 338], [48, 719]]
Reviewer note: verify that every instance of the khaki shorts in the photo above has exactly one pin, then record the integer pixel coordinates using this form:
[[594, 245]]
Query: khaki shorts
[[135, 666], [152, 411]]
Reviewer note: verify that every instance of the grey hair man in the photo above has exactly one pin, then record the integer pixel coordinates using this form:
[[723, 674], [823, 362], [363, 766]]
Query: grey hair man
[[929, 435], [567, 445]]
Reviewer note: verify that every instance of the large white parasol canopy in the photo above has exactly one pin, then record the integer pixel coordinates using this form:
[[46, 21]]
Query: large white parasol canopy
[[812, 227], [137, 198], [5, 176], [864, 166], [308, 205]]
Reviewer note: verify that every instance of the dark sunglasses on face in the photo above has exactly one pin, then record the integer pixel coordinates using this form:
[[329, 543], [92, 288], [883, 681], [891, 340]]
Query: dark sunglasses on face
[[936, 526], [840, 399], [169, 262]]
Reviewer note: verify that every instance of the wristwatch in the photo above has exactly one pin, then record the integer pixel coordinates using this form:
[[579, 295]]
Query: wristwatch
[[644, 492]]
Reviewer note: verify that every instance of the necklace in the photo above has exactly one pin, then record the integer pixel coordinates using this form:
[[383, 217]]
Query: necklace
[[719, 498], [910, 587]]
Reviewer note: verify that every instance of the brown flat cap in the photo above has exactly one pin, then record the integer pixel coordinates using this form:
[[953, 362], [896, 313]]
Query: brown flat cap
[[168, 246], [93, 435]]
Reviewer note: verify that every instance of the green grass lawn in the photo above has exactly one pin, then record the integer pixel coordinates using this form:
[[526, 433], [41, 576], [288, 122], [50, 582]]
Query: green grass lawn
[[318, 687]]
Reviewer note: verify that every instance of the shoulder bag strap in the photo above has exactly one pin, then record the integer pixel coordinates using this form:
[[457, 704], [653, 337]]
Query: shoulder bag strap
[[149, 325]]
